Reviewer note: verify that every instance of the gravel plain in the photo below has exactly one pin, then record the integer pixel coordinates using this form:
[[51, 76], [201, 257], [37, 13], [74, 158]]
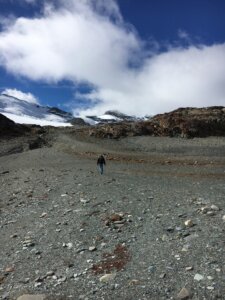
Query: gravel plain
[[151, 227]]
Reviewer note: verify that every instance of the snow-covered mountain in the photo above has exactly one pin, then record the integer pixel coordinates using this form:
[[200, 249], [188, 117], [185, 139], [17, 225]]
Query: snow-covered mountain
[[110, 116], [24, 112]]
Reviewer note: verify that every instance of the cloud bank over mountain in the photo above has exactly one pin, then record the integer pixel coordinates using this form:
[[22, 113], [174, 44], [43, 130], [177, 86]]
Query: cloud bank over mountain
[[88, 41], [28, 97]]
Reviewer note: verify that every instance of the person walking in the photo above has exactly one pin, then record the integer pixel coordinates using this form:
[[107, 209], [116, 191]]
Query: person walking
[[101, 163]]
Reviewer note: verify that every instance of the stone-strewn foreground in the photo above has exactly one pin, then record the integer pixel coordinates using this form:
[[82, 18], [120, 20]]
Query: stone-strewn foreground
[[151, 227]]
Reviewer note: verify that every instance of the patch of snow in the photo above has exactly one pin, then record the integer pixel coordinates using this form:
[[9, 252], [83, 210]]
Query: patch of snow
[[109, 117], [23, 119]]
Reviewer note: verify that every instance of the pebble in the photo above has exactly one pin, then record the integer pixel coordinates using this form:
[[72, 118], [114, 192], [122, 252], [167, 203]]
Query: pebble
[[25, 281], [183, 294], [198, 277], [223, 218], [13, 236], [68, 245], [28, 243], [189, 223], [164, 237], [37, 284], [107, 278], [9, 269], [189, 268], [204, 209], [210, 213], [163, 275], [214, 207], [50, 273], [134, 282], [151, 269], [218, 270], [44, 214], [84, 201], [92, 248], [185, 248]]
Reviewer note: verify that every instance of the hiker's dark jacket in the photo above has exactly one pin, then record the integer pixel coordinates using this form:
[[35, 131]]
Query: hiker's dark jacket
[[101, 160]]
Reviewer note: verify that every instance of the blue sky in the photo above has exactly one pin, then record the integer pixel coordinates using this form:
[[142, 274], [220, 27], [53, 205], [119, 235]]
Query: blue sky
[[140, 57]]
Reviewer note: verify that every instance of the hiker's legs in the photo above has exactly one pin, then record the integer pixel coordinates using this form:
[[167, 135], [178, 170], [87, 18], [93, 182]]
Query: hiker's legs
[[101, 169]]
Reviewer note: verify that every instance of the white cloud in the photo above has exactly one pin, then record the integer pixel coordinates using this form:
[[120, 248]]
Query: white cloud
[[88, 41], [28, 97]]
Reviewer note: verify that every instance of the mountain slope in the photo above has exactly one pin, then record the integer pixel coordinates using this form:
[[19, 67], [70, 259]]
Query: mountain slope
[[24, 112], [110, 116]]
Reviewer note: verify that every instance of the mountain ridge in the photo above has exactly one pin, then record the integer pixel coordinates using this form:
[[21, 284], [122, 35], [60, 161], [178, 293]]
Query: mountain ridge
[[24, 112]]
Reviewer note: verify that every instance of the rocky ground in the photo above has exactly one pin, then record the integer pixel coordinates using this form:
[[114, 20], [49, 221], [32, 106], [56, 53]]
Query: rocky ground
[[151, 227]]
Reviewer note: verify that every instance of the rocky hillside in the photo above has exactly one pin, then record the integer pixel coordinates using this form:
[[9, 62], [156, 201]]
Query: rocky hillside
[[191, 122], [17, 138], [183, 122]]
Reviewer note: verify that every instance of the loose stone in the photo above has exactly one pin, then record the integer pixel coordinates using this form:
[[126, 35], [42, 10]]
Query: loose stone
[[43, 215], [184, 294], [214, 207], [92, 248], [210, 213], [189, 223], [134, 282], [198, 277], [107, 278], [50, 273], [9, 269], [163, 275]]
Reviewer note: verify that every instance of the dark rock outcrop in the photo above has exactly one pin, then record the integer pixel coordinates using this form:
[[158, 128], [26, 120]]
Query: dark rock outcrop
[[61, 113], [78, 121], [8, 128]]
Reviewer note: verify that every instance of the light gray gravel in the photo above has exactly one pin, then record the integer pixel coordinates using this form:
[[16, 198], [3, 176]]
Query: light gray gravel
[[60, 220]]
